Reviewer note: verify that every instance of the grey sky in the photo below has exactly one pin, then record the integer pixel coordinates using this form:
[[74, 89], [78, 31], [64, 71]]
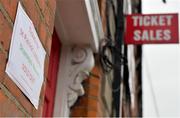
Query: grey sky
[[161, 69]]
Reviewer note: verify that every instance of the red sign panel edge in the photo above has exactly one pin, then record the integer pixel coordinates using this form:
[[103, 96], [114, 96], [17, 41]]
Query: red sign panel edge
[[129, 30]]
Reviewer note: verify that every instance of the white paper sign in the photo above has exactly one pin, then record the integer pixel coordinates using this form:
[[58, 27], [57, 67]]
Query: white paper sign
[[26, 57]]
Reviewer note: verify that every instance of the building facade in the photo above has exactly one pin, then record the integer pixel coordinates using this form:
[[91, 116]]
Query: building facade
[[88, 70], [42, 13]]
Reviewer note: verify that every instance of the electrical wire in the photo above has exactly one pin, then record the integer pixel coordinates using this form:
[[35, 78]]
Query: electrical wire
[[107, 51]]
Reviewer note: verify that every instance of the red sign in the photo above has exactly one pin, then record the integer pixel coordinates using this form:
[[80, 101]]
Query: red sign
[[151, 29]]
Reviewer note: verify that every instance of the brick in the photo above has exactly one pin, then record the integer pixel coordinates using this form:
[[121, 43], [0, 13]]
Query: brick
[[5, 32], [86, 105], [93, 81], [2, 66], [42, 94], [48, 18], [8, 108], [42, 33], [42, 5], [51, 25], [81, 101], [83, 111], [11, 7], [37, 112], [91, 91], [96, 71], [92, 114], [46, 67], [87, 101], [17, 93], [32, 12], [79, 112], [48, 45], [92, 103], [89, 104], [52, 5]]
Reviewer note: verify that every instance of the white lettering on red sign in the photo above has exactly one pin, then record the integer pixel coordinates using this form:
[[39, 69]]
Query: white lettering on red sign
[[159, 28], [152, 35], [152, 20]]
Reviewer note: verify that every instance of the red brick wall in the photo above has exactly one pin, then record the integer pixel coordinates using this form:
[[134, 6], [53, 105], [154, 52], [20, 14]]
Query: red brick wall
[[12, 101], [89, 104]]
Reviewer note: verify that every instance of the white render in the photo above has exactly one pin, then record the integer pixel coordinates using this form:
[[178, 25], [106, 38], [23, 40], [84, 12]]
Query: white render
[[75, 65], [78, 22]]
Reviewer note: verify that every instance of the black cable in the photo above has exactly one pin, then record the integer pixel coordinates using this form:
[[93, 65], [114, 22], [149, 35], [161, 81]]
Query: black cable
[[111, 57], [106, 60], [164, 1]]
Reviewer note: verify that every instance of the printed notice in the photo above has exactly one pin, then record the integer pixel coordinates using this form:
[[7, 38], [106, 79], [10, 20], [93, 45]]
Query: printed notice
[[26, 57]]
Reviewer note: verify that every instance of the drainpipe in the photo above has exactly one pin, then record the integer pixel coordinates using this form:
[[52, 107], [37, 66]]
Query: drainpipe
[[118, 72]]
